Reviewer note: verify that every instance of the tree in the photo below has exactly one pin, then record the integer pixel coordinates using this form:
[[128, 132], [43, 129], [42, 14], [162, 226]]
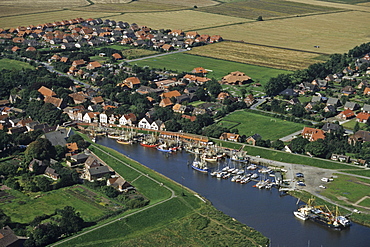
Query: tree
[[298, 145], [356, 128], [259, 18], [70, 221], [204, 120], [298, 110], [4, 219], [173, 125], [43, 183], [317, 148], [278, 145], [40, 149]]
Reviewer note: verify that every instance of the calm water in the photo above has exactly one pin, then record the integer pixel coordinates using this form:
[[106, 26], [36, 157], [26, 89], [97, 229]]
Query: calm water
[[264, 210]]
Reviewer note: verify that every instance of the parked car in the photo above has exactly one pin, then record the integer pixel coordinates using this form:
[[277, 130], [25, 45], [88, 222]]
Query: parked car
[[300, 183], [299, 175]]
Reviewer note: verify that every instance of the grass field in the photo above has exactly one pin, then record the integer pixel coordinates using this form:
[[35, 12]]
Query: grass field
[[303, 33], [265, 8], [180, 20], [185, 62], [90, 204], [267, 127], [137, 53], [12, 64], [351, 124], [346, 188], [258, 55]]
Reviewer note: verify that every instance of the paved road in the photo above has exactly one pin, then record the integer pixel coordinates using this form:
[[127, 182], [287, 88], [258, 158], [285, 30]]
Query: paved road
[[291, 136], [157, 55], [128, 215], [49, 67]]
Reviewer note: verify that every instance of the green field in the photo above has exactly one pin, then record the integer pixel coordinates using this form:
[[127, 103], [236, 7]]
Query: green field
[[267, 127], [90, 204], [12, 64], [347, 188], [351, 124], [184, 62]]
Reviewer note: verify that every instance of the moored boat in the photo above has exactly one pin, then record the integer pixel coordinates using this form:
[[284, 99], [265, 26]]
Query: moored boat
[[200, 166]]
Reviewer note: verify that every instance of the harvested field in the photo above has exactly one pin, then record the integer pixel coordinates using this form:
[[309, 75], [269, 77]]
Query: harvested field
[[38, 18], [303, 33], [342, 4], [257, 55], [132, 7], [179, 20], [265, 8], [186, 3]]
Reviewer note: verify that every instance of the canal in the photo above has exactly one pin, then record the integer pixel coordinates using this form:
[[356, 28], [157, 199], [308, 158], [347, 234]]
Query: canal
[[264, 210]]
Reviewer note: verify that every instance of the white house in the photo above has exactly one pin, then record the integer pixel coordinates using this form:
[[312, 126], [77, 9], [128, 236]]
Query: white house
[[128, 119], [156, 125], [145, 123], [90, 117], [113, 118], [103, 118]]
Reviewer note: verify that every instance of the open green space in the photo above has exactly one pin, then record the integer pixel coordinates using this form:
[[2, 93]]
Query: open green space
[[217, 68], [351, 124], [267, 127], [12, 64], [361, 172], [24, 208], [150, 189], [173, 223], [365, 203], [344, 189]]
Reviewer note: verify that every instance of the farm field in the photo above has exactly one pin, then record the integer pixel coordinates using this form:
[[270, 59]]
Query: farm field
[[88, 203], [51, 16], [267, 127], [12, 64], [258, 55], [265, 8], [18, 7], [180, 20], [186, 62], [342, 4], [303, 33]]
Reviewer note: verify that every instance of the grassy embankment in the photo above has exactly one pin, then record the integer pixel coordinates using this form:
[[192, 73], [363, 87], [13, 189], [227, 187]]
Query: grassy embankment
[[168, 223]]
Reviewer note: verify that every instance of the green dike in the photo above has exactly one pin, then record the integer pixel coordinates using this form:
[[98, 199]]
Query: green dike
[[11, 64], [282, 156], [181, 220]]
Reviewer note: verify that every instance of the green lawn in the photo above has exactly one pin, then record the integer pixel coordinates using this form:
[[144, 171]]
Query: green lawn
[[23, 208], [218, 68], [351, 124], [11, 64], [351, 188], [268, 127]]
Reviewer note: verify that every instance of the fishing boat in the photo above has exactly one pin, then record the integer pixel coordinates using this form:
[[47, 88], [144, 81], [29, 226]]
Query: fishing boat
[[164, 148], [240, 157], [124, 141], [322, 215], [114, 136], [148, 145], [200, 166]]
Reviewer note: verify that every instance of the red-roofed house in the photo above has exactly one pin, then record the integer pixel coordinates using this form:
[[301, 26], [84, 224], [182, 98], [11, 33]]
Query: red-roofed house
[[346, 114], [367, 91], [363, 117], [46, 91], [313, 134], [93, 65], [165, 102], [230, 137], [171, 94], [57, 102], [199, 70]]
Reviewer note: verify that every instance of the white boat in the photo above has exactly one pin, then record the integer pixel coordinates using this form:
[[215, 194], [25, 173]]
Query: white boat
[[225, 169], [254, 176], [252, 167], [240, 172], [214, 173], [300, 215], [200, 166]]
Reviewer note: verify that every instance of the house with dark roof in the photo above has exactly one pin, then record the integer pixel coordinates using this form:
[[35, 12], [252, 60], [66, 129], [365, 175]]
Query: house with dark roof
[[333, 101], [360, 136], [351, 106], [97, 172], [51, 173], [59, 136], [329, 127], [366, 108], [9, 239], [251, 140], [289, 92]]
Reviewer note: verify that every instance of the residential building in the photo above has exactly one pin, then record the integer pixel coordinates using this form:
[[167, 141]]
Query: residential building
[[313, 134]]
